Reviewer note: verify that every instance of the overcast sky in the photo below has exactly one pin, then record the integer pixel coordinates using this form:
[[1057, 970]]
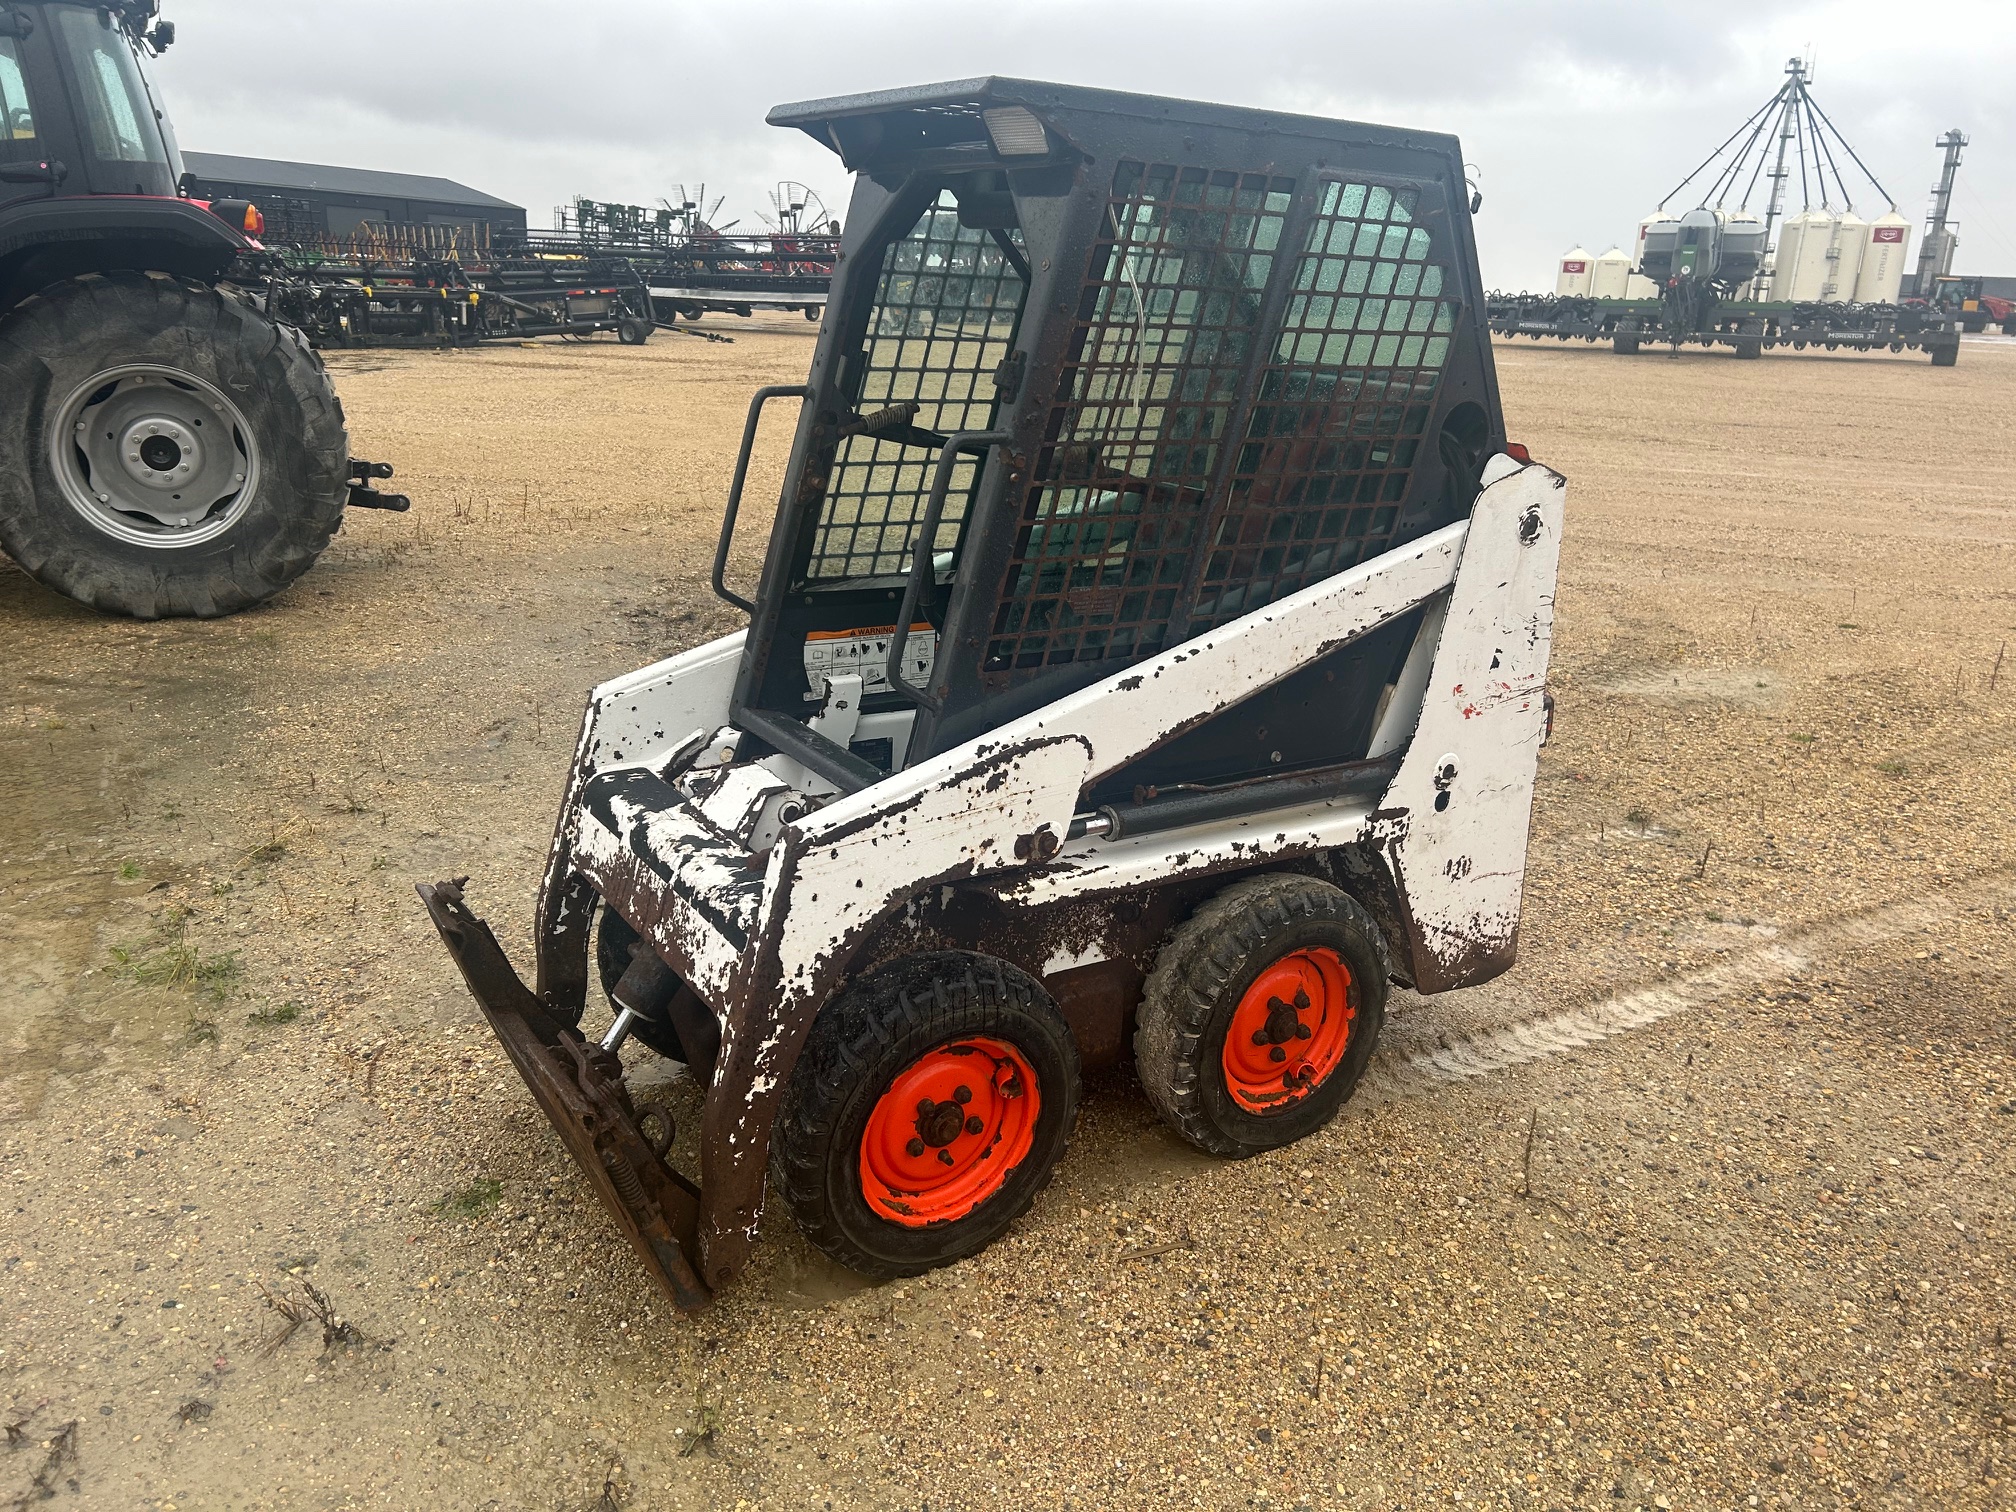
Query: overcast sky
[[1578, 114]]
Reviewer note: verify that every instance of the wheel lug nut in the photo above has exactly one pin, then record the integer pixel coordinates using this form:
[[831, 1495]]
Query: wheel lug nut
[[1302, 1031], [924, 1107], [962, 1095], [1277, 1054], [944, 1157], [915, 1147], [973, 1124], [1259, 1036]]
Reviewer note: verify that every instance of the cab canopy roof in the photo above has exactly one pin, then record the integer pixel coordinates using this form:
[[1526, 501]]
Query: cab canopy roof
[[1001, 121]]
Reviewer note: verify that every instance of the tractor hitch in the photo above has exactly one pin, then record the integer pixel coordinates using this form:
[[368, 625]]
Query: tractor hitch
[[580, 1088], [364, 496]]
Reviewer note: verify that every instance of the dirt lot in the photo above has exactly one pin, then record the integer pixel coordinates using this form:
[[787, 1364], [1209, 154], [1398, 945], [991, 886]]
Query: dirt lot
[[1708, 1205]]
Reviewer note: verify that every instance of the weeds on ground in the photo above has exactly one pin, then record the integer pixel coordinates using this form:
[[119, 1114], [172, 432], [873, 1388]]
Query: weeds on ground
[[59, 1461], [471, 1201], [1894, 768], [176, 963], [312, 1305], [266, 854], [274, 1014], [129, 872], [706, 1421], [202, 1031], [1640, 816]]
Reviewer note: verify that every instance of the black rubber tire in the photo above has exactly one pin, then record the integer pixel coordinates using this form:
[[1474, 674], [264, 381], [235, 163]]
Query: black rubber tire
[[1749, 347], [57, 339], [633, 332], [859, 1044], [1946, 356], [615, 942], [1624, 346], [1203, 972]]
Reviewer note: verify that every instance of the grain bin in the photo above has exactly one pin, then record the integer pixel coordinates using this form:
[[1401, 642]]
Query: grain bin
[[1576, 272], [1844, 258], [1802, 256], [1882, 271], [1612, 275]]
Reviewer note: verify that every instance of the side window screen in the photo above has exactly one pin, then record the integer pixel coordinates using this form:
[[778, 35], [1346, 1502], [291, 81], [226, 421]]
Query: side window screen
[[17, 116], [1342, 408], [118, 119], [944, 320], [1168, 324]]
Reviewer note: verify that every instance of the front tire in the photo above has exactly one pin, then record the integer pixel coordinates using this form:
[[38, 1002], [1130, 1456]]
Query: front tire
[[930, 1105], [177, 453], [1261, 1014]]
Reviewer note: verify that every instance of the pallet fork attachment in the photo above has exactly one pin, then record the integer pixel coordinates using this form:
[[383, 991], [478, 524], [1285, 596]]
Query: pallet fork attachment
[[580, 1088]]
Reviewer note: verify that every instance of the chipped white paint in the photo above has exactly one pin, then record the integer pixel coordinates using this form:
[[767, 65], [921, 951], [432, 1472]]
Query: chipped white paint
[[1466, 782], [838, 870], [1091, 867], [765, 954], [1070, 958], [638, 719]]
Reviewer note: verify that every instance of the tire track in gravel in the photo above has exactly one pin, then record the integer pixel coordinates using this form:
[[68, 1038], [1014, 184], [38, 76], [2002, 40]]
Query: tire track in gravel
[[1428, 1051]]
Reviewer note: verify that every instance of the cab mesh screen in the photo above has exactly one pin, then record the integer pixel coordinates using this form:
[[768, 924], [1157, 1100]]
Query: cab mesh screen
[[1123, 547], [944, 318], [1342, 407], [1167, 324]]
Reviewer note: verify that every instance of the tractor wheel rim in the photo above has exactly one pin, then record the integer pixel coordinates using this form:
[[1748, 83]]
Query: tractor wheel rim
[[154, 456], [949, 1131], [1289, 1032]]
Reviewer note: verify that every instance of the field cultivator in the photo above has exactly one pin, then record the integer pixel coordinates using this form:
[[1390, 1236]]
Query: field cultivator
[[435, 292], [1750, 328]]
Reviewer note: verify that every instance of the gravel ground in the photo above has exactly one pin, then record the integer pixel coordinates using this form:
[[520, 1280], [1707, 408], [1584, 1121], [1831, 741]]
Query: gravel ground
[[1707, 1205]]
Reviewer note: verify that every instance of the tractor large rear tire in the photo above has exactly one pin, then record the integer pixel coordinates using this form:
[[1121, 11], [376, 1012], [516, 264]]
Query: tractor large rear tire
[[215, 395]]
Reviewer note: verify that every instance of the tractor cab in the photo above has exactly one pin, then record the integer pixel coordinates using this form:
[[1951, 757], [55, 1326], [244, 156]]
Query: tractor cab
[[77, 112]]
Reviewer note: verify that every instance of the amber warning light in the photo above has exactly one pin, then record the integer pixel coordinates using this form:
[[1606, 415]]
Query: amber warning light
[[240, 215]]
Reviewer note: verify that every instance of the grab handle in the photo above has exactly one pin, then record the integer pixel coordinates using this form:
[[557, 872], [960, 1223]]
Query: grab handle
[[762, 397], [921, 572]]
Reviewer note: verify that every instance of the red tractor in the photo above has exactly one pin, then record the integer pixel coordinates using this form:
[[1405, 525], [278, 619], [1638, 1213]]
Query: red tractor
[[166, 448]]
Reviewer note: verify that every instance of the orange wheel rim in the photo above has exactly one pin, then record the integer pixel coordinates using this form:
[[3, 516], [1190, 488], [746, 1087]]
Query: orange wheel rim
[[952, 1127], [1289, 1032]]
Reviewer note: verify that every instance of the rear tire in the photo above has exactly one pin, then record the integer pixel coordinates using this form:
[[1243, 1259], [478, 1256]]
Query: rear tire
[[1223, 965], [938, 1024], [78, 523]]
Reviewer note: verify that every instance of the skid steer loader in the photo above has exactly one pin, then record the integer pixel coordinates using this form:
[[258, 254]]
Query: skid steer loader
[[1149, 659]]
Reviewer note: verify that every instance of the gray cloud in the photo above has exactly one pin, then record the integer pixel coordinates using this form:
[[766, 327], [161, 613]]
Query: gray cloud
[[1579, 114]]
